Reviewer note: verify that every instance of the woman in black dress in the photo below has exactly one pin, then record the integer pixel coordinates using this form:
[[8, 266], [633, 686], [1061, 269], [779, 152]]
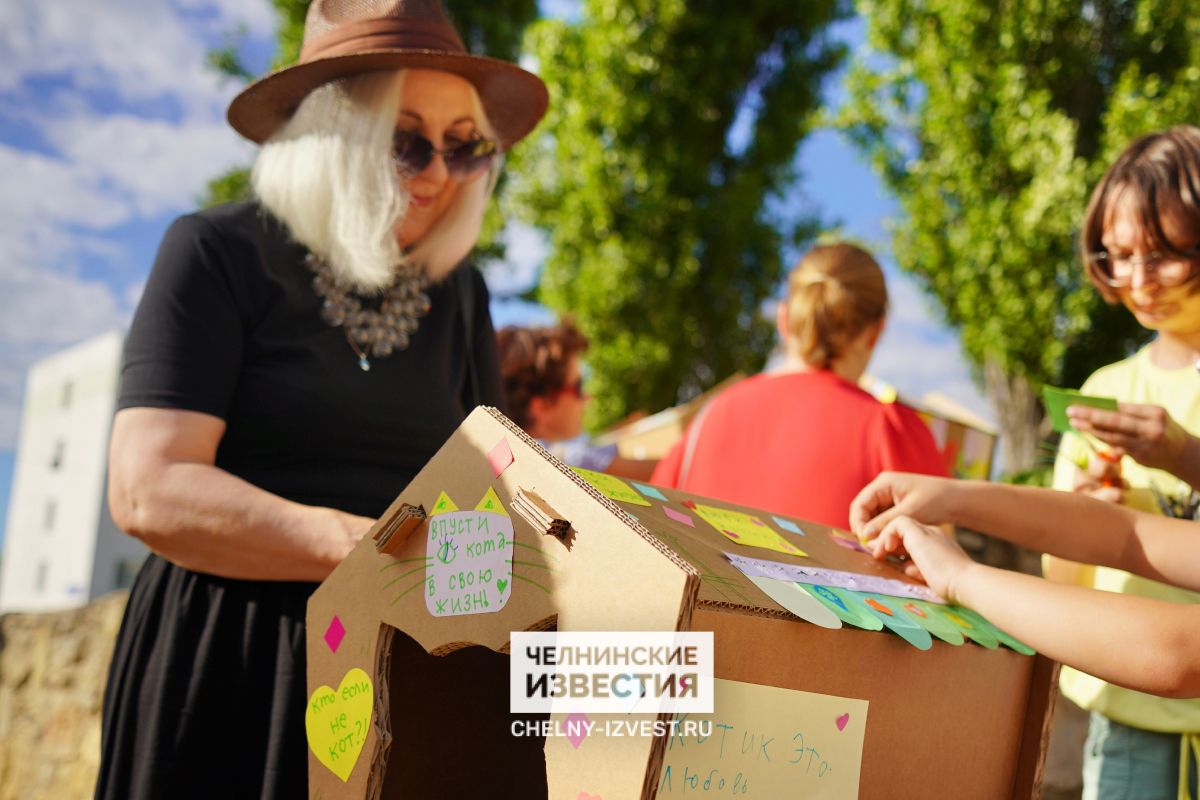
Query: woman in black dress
[[293, 363]]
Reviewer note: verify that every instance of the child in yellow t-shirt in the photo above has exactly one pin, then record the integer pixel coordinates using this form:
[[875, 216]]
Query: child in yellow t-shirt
[[1142, 381], [1139, 243]]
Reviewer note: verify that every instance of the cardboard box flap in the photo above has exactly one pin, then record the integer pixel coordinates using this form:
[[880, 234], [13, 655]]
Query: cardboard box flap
[[407, 661], [475, 571]]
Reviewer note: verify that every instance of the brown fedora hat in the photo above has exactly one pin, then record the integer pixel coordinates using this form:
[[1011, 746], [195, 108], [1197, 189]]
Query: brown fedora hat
[[350, 37]]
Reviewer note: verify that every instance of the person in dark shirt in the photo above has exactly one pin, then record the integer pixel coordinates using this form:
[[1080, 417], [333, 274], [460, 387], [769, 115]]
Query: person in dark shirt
[[294, 361]]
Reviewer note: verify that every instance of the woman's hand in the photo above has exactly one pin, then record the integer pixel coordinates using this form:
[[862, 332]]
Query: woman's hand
[[933, 557], [894, 494], [348, 529], [1146, 432]]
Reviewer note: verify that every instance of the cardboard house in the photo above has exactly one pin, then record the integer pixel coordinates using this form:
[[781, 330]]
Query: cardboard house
[[408, 643]]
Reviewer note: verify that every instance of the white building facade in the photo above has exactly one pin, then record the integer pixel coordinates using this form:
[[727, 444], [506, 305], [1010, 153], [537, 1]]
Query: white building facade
[[61, 548]]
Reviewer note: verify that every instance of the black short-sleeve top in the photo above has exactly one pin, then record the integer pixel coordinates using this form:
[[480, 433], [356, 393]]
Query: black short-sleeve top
[[229, 325]]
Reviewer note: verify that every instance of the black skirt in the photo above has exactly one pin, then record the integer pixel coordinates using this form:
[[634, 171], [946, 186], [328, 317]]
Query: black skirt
[[206, 693]]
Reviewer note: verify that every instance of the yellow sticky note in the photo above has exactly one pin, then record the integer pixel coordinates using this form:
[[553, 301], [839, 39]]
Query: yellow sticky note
[[337, 722], [746, 529], [490, 502], [611, 487], [767, 742], [444, 505]]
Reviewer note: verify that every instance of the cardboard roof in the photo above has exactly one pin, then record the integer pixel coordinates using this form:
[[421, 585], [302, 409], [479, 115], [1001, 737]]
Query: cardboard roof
[[583, 584], [620, 566]]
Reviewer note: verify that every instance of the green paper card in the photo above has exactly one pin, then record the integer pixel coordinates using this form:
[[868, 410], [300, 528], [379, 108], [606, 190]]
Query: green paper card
[[979, 635], [1057, 401], [844, 606], [920, 612], [982, 623], [881, 607]]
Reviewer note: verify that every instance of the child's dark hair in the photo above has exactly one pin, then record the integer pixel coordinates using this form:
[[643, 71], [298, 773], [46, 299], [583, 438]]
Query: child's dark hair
[[534, 361], [1158, 172]]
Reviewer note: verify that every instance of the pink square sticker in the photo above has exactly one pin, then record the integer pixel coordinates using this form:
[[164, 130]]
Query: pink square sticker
[[500, 457], [335, 633], [577, 728], [678, 516], [850, 545]]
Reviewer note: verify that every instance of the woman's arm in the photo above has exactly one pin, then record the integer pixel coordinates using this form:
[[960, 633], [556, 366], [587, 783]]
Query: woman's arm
[[1143, 644], [165, 490], [1072, 526]]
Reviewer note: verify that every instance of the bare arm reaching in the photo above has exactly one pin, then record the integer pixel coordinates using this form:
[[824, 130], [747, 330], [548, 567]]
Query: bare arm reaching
[[165, 490], [1143, 644], [1072, 526]]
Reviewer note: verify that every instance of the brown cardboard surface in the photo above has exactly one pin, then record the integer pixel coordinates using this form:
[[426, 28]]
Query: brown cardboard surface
[[950, 722], [947, 723], [720, 582], [1035, 738], [600, 583]]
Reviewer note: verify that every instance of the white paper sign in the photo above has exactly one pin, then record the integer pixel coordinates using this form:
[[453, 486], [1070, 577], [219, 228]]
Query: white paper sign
[[469, 566]]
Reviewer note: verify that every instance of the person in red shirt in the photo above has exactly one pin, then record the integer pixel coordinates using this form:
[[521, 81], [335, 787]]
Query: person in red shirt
[[804, 440]]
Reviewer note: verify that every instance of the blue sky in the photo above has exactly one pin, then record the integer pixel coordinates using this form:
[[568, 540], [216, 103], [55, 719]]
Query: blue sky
[[110, 126]]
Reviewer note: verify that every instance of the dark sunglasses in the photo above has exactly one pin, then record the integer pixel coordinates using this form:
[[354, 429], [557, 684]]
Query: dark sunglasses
[[413, 152]]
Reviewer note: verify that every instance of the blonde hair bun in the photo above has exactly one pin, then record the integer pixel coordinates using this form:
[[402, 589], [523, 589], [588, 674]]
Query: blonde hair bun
[[834, 293]]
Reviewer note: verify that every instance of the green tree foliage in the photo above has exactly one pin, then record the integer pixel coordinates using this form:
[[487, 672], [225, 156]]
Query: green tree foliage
[[673, 126], [488, 27], [991, 122]]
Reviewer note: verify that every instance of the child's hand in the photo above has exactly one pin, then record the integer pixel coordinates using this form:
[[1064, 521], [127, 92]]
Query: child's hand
[[893, 494], [1146, 432], [1101, 477], [933, 557]]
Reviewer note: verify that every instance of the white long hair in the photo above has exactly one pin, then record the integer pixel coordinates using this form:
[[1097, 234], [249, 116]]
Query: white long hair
[[328, 175]]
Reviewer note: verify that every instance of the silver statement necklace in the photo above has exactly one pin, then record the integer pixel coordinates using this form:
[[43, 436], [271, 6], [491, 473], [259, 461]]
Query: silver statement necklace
[[376, 326]]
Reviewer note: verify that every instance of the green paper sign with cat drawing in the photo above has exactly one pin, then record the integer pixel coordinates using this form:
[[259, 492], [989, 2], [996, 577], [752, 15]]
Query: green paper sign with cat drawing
[[468, 558]]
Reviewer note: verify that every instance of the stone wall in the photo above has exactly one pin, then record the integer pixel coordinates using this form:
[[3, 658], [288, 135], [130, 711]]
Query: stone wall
[[52, 672]]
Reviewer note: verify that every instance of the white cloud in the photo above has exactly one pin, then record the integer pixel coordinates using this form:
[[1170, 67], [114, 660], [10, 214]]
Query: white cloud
[[50, 311], [155, 166], [139, 49], [526, 250], [42, 313], [918, 355], [42, 194], [128, 127]]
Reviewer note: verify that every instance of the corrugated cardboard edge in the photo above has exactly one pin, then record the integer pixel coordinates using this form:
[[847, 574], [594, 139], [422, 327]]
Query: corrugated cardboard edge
[[1035, 738], [380, 721], [751, 611], [658, 751], [610, 505]]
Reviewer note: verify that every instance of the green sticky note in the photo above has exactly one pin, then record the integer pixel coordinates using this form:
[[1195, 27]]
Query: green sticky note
[[920, 612], [977, 633], [980, 622], [610, 487], [1057, 401], [844, 606], [882, 607]]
